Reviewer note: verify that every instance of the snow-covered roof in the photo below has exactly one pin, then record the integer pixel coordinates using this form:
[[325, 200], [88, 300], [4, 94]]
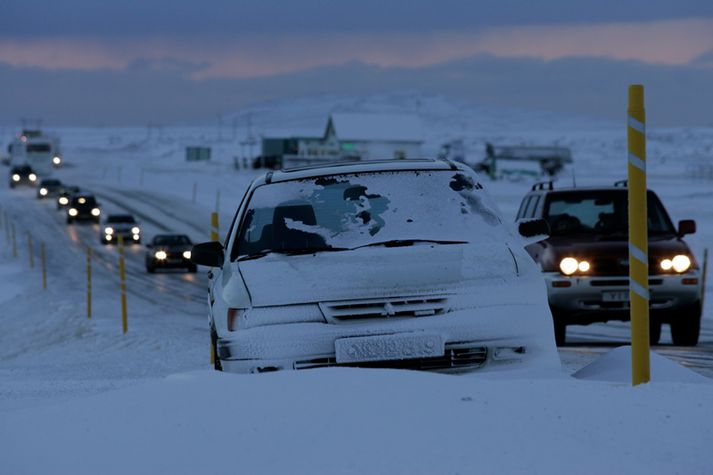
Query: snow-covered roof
[[383, 127]]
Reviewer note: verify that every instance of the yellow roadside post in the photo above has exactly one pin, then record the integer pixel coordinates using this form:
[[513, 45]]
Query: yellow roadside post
[[122, 278], [89, 282], [638, 237], [29, 247], [14, 241], [214, 227], [44, 265]]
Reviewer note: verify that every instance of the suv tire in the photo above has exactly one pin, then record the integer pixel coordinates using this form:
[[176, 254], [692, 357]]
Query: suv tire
[[686, 328]]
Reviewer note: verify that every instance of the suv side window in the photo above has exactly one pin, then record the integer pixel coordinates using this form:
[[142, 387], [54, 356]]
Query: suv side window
[[531, 211]]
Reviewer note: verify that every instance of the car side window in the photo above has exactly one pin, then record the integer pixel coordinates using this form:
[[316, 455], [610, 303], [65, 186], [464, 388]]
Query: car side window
[[533, 206], [523, 207]]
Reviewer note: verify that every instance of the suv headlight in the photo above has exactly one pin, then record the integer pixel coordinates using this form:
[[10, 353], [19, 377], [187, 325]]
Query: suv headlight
[[73, 212], [15, 177], [680, 263], [108, 230], [187, 254], [160, 255], [33, 177], [56, 160], [570, 265], [43, 191], [135, 230], [63, 200], [96, 212]]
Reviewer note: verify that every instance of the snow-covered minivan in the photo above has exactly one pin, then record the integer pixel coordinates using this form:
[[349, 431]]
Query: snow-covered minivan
[[389, 264]]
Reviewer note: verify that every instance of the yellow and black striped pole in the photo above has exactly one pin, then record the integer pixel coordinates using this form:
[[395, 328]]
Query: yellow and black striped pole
[[122, 278], [638, 237]]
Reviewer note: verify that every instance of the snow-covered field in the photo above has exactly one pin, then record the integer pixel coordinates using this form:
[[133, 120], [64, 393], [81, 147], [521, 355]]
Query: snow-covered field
[[77, 396]]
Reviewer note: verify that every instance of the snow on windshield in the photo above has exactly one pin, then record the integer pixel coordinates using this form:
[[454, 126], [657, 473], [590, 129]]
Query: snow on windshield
[[352, 210]]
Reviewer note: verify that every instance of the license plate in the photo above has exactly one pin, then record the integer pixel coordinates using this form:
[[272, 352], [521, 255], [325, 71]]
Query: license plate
[[388, 347], [616, 296]]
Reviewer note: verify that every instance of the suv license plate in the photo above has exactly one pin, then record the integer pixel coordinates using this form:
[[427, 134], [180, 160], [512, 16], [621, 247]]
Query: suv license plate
[[388, 347], [616, 296]]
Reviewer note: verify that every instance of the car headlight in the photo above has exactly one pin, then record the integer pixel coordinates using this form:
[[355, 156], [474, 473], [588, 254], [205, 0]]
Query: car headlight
[[96, 212], [108, 230], [108, 237], [160, 255], [681, 263], [56, 160], [15, 177], [187, 254], [135, 230], [63, 200], [73, 212], [43, 191], [32, 177], [570, 265], [136, 237]]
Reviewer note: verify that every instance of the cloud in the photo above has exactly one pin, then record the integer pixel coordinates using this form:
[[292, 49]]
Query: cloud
[[152, 92]]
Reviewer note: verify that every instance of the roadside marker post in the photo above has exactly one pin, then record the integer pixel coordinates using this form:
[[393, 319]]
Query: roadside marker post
[[638, 237], [14, 241], [89, 283], [29, 248], [43, 260], [214, 227], [122, 278]]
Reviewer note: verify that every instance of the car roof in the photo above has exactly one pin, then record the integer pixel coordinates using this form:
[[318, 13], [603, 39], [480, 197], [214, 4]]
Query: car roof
[[346, 167]]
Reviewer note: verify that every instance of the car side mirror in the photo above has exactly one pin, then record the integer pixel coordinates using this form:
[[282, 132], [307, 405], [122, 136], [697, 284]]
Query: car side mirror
[[208, 254], [533, 230], [686, 226]]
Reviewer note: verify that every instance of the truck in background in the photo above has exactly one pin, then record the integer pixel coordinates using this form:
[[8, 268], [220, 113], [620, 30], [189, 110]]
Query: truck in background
[[36, 149]]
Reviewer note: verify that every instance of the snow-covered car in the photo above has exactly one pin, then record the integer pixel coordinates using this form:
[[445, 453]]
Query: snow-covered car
[[169, 251], [396, 264], [48, 188], [123, 225], [64, 195], [83, 207], [586, 260], [22, 175]]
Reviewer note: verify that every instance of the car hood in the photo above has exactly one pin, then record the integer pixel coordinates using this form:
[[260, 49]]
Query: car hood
[[374, 272]]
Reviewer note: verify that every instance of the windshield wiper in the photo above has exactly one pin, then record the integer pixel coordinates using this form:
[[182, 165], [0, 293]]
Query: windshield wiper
[[292, 252], [408, 242]]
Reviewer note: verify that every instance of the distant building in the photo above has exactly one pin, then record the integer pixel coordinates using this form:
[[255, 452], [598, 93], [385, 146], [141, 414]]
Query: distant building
[[348, 137]]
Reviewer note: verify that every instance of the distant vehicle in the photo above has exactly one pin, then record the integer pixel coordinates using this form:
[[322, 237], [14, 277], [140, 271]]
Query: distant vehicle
[[64, 194], [586, 261], [34, 148], [22, 175], [530, 161], [169, 251], [83, 207], [391, 264], [123, 225], [48, 188]]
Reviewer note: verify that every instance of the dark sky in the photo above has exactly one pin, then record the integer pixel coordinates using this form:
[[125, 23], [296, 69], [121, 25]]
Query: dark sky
[[85, 61]]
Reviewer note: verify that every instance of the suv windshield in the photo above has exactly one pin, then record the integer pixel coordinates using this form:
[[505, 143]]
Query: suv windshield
[[171, 240], [120, 219], [347, 211], [38, 148], [600, 212]]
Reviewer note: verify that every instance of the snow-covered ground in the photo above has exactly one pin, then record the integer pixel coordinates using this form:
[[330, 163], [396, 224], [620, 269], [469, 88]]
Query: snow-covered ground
[[77, 396]]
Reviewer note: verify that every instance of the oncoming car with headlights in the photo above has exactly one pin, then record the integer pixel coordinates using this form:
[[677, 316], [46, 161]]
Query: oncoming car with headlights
[[390, 264], [48, 188], [83, 207], [120, 225], [586, 261], [22, 175], [169, 251]]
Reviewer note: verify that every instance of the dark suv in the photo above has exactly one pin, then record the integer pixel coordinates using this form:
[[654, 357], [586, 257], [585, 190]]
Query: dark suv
[[83, 207], [22, 175], [586, 260]]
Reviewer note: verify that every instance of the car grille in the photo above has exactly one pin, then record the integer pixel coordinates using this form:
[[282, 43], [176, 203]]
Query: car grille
[[455, 357], [620, 282], [384, 308]]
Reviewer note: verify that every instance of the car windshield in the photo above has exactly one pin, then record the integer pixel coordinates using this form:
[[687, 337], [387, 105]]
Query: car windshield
[[600, 212], [348, 211], [171, 240], [24, 169], [120, 219], [38, 148], [84, 201]]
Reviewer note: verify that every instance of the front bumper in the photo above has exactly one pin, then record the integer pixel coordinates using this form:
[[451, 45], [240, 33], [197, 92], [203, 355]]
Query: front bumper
[[170, 262], [589, 299], [480, 341], [128, 237]]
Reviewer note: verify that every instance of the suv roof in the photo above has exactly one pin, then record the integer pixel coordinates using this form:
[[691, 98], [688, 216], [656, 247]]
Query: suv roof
[[359, 167]]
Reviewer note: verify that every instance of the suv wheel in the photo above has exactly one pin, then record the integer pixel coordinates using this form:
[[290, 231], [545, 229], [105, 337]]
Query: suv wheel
[[654, 330], [686, 328], [214, 348]]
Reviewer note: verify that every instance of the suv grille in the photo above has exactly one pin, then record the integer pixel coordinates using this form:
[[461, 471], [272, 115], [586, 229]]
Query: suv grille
[[384, 308], [456, 356]]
